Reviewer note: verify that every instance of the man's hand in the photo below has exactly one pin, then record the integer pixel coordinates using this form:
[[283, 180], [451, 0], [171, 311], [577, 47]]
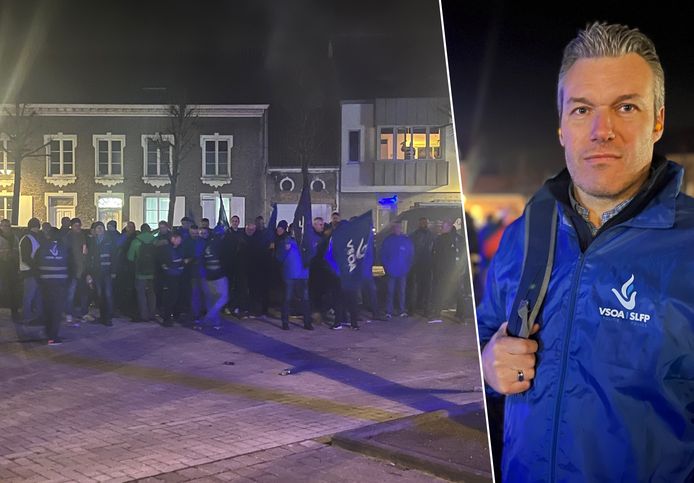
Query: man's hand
[[504, 356]]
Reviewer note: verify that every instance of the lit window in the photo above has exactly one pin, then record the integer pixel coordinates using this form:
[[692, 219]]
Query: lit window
[[216, 155], [410, 143], [156, 209], [5, 207]]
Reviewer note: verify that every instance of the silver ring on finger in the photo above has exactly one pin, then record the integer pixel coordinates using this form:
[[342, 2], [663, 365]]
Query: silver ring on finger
[[521, 375]]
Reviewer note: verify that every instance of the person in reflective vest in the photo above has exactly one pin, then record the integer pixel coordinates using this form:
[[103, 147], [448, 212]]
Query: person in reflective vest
[[52, 274]]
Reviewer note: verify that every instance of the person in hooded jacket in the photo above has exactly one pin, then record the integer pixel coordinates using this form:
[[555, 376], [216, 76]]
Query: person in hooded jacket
[[294, 275], [603, 388], [142, 254], [52, 272]]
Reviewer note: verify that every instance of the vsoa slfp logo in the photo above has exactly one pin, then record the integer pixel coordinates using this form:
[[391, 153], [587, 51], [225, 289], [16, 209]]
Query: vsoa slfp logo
[[628, 295], [627, 299]]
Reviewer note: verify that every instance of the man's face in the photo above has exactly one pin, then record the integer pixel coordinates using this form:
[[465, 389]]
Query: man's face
[[99, 230], [176, 240], [76, 227], [5, 226], [111, 227], [65, 222], [250, 229], [204, 233], [163, 229], [260, 223], [423, 223], [318, 225], [45, 226], [608, 125], [234, 222], [186, 225], [279, 231], [194, 233], [335, 219], [130, 227], [205, 224], [397, 229]]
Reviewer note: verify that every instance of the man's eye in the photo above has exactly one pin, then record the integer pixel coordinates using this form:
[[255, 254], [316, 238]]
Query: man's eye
[[627, 108], [580, 110]]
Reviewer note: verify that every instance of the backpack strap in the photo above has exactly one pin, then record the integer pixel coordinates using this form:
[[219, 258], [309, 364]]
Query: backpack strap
[[538, 260]]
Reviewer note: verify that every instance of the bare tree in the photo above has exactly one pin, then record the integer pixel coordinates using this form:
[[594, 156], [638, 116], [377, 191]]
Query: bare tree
[[181, 128], [19, 127]]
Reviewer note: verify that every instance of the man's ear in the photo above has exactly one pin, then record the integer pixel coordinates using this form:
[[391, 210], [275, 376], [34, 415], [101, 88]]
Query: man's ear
[[659, 125], [561, 137]]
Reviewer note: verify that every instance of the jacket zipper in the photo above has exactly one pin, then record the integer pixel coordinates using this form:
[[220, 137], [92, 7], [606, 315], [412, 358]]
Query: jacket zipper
[[565, 355]]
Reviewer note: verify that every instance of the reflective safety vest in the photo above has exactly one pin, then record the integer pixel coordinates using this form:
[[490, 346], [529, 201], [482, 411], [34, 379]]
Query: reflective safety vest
[[52, 262], [23, 266]]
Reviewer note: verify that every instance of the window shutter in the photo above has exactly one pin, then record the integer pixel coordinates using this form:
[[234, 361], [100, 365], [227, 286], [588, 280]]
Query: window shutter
[[179, 210], [26, 206], [136, 211]]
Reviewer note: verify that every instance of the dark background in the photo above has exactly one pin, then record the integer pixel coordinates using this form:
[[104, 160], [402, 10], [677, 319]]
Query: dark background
[[504, 60], [298, 55]]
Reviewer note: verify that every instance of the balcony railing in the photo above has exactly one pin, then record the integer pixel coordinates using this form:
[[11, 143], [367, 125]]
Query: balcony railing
[[410, 172]]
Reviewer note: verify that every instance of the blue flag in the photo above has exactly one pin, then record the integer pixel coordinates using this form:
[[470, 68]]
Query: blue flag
[[302, 225], [351, 250], [222, 220]]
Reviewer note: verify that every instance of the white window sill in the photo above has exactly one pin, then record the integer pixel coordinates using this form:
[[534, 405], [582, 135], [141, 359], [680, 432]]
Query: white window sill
[[109, 180], [216, 181], [60, 181], [157, 181]]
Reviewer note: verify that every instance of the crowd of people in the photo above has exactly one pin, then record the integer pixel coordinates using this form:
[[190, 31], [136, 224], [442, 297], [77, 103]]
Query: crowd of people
[[195, 274]]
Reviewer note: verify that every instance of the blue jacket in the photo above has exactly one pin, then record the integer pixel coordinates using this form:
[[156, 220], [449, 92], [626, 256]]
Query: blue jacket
[[397, 254], [613, 395], [288, 253]]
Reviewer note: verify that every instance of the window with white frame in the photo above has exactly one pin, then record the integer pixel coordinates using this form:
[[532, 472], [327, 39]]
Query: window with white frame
[[5, 207], [60, 152], [418, 142], [6, 163], [108, 155], [216, 155], [158, 154], [156, 208]]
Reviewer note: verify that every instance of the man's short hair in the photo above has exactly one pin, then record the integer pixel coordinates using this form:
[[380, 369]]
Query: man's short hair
[[236, 216], [165, 223], [193, 227], [318, 218], [259, 217], [205, 219], [112, 222], [601, 39], [34, 223], [98, 223], [145, 228], [335, 213], [74, 221]]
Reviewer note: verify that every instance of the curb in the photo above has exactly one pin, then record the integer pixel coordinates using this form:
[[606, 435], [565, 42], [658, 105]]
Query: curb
[[363, 440]]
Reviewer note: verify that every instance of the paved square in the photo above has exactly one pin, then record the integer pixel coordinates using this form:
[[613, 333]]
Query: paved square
[[138, 400]]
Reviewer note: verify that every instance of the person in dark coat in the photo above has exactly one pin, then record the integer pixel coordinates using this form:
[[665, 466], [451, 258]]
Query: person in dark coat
[[172, 264], [419, 279], [52, 272], [9, 269], [101, 251], [449, 259]]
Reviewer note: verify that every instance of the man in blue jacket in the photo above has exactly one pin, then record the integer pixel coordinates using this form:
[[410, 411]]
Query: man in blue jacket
[[603, 390], [294, 274], [397, 253]]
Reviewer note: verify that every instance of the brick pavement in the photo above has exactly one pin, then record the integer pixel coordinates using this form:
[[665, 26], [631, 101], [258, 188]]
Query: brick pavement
[[138, 400]]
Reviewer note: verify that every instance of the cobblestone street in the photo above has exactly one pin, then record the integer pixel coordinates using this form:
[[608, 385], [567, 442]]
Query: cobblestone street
[[139, 401]]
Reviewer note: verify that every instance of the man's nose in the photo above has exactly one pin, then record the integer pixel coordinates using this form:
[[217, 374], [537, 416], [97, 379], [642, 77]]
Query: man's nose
[[603, 129]]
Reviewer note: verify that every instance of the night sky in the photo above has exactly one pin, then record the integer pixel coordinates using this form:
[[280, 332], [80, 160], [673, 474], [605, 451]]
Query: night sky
[[521, 47], [221, 51], [293, 55]]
